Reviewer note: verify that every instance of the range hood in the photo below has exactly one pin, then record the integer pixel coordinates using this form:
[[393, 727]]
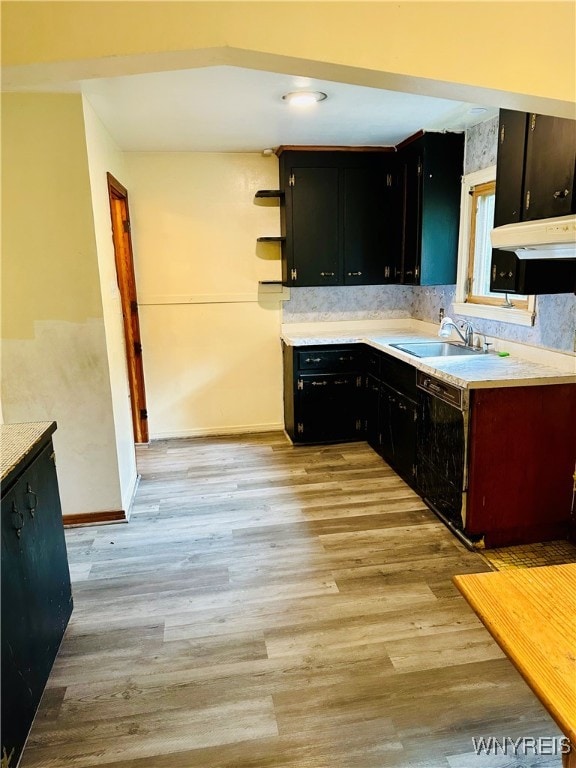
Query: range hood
[[543, 239]]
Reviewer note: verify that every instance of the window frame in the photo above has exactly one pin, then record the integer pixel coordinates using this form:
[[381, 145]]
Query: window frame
[[491, 308]]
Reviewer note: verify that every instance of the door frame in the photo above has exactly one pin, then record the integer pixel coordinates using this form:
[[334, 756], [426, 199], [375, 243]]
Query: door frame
[[123, 256]]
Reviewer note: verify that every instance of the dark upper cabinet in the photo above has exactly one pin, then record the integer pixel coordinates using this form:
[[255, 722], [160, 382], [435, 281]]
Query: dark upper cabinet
[[333, 217], [510, 167], [535, 167], [534, 180], [550, 161], [364, 231], [430, 172]]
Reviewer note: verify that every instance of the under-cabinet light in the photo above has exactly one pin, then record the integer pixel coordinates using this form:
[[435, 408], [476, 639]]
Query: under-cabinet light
[[304, 98]]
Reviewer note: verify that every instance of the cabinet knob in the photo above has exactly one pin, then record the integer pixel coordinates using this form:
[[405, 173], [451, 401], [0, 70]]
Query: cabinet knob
[[326, 274], [561, 194]]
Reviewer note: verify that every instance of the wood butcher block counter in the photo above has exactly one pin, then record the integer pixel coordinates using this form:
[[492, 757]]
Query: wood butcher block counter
[[531, 613]]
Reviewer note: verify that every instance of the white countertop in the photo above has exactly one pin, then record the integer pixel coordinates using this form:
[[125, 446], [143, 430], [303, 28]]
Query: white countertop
[[468, 371]]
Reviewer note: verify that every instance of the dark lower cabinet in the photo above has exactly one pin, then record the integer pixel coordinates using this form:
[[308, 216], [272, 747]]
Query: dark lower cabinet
[[391, 412], [323, 389], [36, 593]]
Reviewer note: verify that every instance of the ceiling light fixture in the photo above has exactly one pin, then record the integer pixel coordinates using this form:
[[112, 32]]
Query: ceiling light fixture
[[304, 98]]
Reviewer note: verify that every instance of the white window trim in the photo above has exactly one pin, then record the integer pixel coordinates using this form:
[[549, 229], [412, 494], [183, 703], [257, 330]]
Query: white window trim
[[461, 306]]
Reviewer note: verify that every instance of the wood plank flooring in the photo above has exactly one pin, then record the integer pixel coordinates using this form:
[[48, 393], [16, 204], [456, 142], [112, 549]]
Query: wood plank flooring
[[276, 606]]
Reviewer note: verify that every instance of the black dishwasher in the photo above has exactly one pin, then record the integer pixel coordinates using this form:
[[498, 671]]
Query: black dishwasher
[[441, 447]]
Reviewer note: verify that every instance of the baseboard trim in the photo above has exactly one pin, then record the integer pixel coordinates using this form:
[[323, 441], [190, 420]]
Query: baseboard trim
[[94, 518], [245, 429]]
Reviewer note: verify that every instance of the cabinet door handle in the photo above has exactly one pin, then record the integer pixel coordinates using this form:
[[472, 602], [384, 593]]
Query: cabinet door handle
[[409, 273], [506, 274], [341, 381], [326, 274], [31, 500], [313, 359], [354, 274], [17, 519], [319, 383], [561, 194]]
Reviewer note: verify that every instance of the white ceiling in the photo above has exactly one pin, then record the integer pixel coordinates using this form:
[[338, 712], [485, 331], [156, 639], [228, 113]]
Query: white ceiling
[[230, 109]]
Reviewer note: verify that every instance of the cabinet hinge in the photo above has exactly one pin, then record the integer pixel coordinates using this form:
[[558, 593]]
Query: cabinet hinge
[[126, 225], [388, 179], [358, 425], [386, 271], [502, 134], [527, 199], [413, 470], [294, 274], [300, 384], [415, 416], [143, 413], [300, 428], [292, 181], [532, 122], [417, 272], [358, 381], [419, 168]]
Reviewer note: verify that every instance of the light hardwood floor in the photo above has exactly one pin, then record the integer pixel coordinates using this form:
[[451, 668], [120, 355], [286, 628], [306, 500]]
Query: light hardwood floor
[[275, 606]]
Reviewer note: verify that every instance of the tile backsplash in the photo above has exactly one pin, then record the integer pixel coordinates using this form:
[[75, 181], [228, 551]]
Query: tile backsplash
[[555, 322], [348, 302]]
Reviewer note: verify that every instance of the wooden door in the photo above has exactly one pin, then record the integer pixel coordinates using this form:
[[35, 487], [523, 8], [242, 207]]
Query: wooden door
[[127, 284]]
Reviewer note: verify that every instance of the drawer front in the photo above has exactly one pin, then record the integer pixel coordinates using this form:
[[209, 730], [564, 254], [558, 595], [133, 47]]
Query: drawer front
[[398, 375], [329, 360]]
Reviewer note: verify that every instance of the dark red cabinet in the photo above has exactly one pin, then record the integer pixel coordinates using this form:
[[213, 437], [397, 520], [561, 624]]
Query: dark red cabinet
[[522, 455]]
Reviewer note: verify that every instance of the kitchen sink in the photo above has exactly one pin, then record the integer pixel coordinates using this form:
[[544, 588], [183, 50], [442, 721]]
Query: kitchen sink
[[435, 349]]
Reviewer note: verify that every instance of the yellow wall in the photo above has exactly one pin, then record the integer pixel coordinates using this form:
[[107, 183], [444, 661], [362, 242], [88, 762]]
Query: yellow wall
[[47, 230], [452, 49], [103, 157], [54, 360], [211, 345]]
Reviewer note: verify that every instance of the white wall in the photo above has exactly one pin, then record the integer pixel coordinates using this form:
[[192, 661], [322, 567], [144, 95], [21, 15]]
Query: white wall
[[105, 156], [211, 349]]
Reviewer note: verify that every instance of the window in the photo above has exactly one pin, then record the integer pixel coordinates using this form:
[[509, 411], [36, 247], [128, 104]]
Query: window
[[473, 294]]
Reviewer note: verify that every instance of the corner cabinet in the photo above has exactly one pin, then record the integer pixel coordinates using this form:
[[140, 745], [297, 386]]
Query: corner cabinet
[[323, 393], [36, 593], [535, 179], [429, 177], [335, 217]]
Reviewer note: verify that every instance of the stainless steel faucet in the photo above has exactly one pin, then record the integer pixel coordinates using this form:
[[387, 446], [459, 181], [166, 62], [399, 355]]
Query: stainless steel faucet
[[468, 335]]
